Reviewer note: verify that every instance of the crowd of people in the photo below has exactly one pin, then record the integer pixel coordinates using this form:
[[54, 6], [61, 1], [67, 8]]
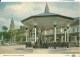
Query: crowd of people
[[47, 45]]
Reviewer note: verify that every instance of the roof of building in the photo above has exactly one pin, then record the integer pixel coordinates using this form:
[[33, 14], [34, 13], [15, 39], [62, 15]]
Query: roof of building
[[47, 14], [76, 21]]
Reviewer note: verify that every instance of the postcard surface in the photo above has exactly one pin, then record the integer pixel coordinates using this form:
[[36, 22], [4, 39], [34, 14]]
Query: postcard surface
[[36, 29]]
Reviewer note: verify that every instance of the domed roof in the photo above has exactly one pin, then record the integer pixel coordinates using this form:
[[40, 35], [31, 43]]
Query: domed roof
[[47, 14]]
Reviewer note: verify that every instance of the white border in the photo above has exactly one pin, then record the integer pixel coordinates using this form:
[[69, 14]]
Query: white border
[[39, 55], [37, 0]]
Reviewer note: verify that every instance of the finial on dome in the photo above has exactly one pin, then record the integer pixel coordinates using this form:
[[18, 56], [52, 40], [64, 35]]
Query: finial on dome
[[12, 16], [46, 8]]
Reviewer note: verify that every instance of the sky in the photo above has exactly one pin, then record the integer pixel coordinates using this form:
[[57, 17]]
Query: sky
[[23, 10]]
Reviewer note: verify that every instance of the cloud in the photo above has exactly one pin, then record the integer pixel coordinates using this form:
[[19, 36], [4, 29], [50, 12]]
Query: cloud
[[6, 22], [18, 24], [21, 11], [64, 10], [24, 10]]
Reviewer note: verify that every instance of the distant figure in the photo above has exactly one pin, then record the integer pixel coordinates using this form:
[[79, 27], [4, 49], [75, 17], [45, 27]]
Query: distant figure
[[73, 55], [0, 0]]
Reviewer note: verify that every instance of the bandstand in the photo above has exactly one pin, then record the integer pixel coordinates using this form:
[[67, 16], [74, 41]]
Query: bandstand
[[47, 30]]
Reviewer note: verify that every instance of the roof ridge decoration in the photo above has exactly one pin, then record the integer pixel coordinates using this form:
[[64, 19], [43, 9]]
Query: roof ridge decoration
[[46, 9], [12, 17]]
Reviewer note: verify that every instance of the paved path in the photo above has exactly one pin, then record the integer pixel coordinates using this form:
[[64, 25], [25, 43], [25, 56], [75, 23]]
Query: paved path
[[20, 49]]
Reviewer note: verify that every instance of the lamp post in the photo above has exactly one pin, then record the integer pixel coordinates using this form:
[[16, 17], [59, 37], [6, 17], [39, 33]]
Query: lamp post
[[54, 32], [26, 37], [67, 36], [35, 36], [35, 32], [61, 34], [2, 40], [55, 36], [67, 33]]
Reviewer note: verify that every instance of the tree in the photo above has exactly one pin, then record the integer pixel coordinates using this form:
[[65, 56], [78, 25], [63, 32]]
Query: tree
[[4, 28], [5, 33]]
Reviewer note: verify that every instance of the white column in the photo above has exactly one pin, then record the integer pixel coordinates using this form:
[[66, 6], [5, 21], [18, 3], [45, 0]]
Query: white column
[[54, 33], [26, 35], [75, 39], [62, 38], [45, 32], [65, 35], [61, 35], [30, 35], [35, 33]]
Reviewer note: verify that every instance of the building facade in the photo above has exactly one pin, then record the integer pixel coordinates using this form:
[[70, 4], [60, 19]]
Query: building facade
[[51, 28]]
